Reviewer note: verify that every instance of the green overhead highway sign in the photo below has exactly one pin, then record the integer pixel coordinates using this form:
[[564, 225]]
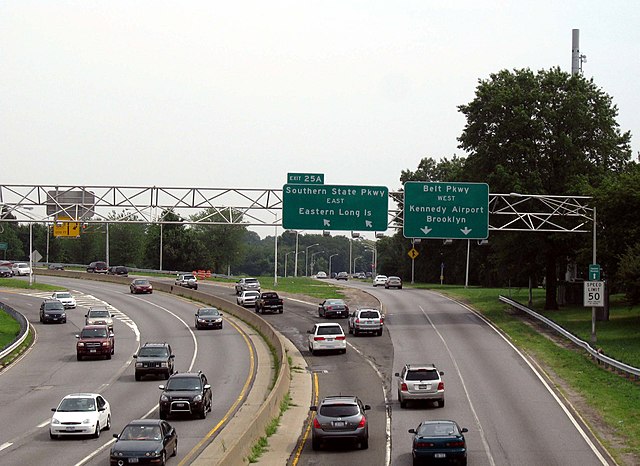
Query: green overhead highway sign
[[305, 178], [446, 210], [334, 207]]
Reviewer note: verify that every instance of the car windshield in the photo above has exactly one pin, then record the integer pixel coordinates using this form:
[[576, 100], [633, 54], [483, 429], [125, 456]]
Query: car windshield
[[437, 429], [188, 277], [334, 302], [152, 352], [63, 295], [93, 314], [54, 307], [369, 314], [251, 293], [183, 383], [339, 410], [141, 282], [94, 333], [209, 312], [422, 374], [77, 405], [141, 433], [251, 280], [330, 330]]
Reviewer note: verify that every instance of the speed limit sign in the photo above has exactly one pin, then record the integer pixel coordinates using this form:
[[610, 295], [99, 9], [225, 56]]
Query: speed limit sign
[[594, 294]]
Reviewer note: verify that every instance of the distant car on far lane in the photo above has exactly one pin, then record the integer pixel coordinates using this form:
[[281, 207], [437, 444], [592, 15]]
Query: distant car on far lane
[[342, 276], [321, 275], [68, 301], [393, 282], [247, 298], [380, 280], [5, 272], [141, 285]]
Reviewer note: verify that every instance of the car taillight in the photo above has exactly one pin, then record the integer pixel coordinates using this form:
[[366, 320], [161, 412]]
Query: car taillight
[[403, 387], [441, 386], [318, 338], [357, 320], [458, 444], [424, 444], [362, 422], [341, 338], [382, 320], [316, 424]]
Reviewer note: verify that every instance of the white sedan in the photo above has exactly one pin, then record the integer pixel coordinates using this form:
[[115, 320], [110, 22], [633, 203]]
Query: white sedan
[[68, 301], [80, 414], [247, 298], [380, 280]]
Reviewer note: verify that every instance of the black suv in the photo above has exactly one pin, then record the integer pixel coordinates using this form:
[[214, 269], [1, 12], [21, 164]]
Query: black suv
[[52, 310], [119, 270], [154, 359], [97, 267], [185, 393]]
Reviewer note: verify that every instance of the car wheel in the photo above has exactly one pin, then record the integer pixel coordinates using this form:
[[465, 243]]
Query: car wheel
[[175, 448], [109, 356], [350, 330], [113, 350], [96, 434], [195, 287], [79, 357], [108, 426], [441, 403], [380, 332], [163, 459], [356, 332], [131, 290], [52, 436], [416, 462], [364, 443], [203, 414], [344, 351], [138, 377], [280, 311], [167, 375], [162, 415], [315, 444]]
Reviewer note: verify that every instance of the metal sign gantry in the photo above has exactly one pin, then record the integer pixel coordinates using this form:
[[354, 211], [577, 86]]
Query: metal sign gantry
[[255, 207]]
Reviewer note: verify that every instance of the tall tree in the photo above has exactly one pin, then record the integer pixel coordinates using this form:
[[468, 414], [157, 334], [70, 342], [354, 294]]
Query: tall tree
[[542, 133]]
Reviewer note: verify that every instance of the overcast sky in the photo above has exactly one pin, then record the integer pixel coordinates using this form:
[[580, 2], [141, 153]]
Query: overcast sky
[[238, 94]]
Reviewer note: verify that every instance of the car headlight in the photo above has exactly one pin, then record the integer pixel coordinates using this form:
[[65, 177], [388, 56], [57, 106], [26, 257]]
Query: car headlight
[[154, 454], [63, 314], [164, 398], [163, 364], [87, 421], [197, 398], [139, 364], [219, 319], [116, 453], [55, 421], [80, 344]]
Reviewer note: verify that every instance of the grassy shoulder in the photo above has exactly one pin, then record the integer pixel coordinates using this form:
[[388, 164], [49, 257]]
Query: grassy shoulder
[[615, 399]]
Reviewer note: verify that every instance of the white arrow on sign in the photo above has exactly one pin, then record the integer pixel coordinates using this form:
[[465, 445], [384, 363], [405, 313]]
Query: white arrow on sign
[[425, 230], [326, 223], [368, 223], [465, 231]]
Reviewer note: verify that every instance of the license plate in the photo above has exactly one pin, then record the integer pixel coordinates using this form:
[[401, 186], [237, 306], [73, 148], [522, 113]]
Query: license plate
[[133, 460], [338, 424], [439, 455], [329, 339], [71, 429], [92, 351], [423, 386]]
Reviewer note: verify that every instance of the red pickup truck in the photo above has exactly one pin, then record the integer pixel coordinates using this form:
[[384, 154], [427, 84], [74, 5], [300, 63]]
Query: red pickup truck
[[269, 302]]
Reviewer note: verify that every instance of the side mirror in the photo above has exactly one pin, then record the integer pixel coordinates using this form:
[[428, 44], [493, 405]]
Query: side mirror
[[221, 314], [367, 407], [86, 315], [196, 315], [309, 331], [135, 356], [313, 408], [111, 335], [116, 435], [77, 336], [441, 372], [161, 387], [412, 431], [464, 429], [172, 356], [397, 374], [54, 409]]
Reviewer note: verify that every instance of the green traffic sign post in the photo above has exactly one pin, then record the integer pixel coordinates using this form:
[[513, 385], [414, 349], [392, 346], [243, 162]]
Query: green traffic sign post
[[446, 210], [334, 207]]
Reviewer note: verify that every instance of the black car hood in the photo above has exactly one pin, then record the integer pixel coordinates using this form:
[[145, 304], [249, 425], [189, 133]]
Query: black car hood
[[181, 393], [137, 445]]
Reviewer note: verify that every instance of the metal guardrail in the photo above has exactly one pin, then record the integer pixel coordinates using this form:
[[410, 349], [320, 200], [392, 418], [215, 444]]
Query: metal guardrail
[[22, 335], [595, 354]]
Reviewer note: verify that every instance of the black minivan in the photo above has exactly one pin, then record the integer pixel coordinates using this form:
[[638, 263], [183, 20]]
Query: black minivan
[[97, 267], [119, 270]]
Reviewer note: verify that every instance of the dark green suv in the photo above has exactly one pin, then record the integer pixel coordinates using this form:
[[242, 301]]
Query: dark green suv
[[154, 359]]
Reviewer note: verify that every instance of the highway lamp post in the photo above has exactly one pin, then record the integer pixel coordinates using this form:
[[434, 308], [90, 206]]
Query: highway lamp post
[[306, 259], [313, 255], [355, 259], [30, 246], [373, 255], [286, 257], [275, 251], [332, 255]]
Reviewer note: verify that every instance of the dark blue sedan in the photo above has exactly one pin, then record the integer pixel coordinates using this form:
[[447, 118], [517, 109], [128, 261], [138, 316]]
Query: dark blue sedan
[[145, 441], [439, 441]]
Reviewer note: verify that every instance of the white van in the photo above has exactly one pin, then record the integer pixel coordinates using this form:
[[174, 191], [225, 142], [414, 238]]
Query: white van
[[21, 268]]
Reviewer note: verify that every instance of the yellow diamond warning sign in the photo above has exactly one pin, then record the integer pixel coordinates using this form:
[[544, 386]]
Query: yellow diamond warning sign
[[413, 253]]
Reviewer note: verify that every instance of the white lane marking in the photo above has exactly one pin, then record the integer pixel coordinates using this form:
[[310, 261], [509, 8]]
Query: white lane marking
[[386, 403], [464, 387], [5, 445]]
